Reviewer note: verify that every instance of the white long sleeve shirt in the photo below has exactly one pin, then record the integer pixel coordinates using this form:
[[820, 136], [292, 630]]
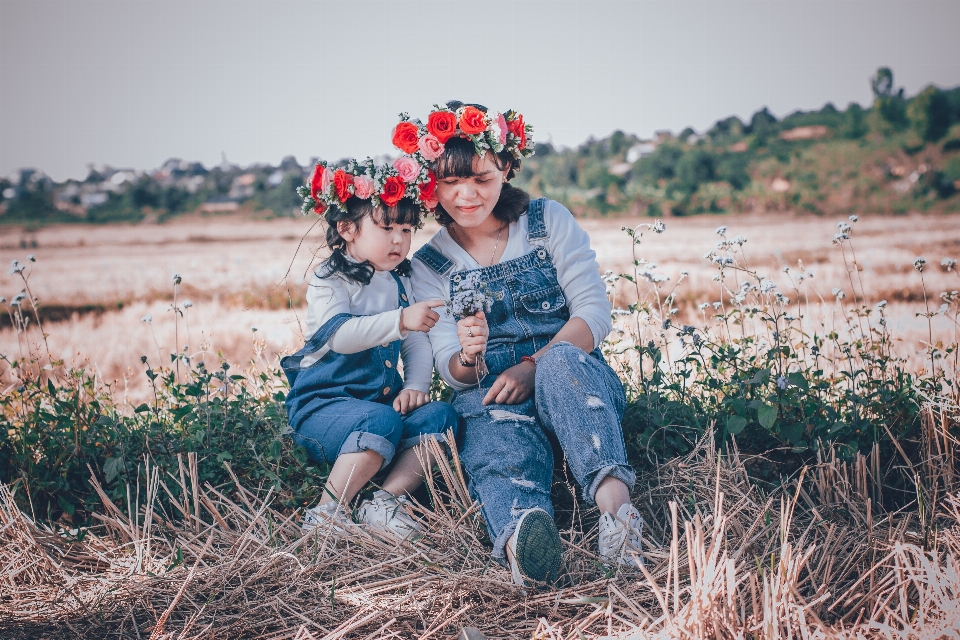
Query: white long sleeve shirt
[[376, 322], [577, 272]]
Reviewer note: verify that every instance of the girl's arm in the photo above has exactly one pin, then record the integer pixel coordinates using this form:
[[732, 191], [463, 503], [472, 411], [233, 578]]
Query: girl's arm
[[417, 355], [329, 297]]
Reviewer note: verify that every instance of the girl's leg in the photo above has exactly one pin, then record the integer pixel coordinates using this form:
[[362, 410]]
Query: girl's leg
[[350, 473], [581, 399], [358, 438], [431, 420]]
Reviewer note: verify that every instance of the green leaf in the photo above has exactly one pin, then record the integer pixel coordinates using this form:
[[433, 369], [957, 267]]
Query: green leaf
[[794, 433], [796, 379], [736, 424], [760, 377], [112, 468], [141, 408], [66, 506], [767, 415]]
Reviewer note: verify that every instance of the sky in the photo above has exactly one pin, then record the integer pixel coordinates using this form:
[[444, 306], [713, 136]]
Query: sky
[[131, 83]]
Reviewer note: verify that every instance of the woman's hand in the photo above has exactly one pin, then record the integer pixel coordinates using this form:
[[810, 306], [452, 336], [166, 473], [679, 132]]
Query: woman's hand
[[420, 316], [472, 332], [409, 400], [513, 386]]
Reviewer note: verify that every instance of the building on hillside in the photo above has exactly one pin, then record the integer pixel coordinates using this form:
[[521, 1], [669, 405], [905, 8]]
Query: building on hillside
[[813, 132]]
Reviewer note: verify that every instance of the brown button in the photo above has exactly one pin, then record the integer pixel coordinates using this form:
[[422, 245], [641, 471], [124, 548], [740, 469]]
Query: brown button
[[386, 390], [385, 346], [388, 363]]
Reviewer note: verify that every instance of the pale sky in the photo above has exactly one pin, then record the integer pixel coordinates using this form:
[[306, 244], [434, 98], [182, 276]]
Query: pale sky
[[131, 83]]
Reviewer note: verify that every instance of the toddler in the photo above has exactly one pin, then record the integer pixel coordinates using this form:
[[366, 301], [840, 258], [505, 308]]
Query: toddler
[[348, 405]]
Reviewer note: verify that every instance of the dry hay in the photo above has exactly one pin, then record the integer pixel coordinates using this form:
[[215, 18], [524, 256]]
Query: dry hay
[[722, 560]]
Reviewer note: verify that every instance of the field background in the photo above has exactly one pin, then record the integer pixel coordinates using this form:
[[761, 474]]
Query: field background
[[96, 283]]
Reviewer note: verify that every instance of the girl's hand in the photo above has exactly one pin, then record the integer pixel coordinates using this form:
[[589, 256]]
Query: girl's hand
[[420, 316], [513, 386], [408, 400], [472, 332]]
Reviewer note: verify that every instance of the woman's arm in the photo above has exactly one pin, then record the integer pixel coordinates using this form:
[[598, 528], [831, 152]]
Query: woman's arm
[[579, 277]]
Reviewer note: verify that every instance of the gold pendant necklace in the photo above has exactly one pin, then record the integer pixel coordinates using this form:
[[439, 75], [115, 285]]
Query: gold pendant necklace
[[456, 238]]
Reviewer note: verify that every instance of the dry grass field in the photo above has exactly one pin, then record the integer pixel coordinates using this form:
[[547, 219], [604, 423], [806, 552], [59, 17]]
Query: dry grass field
[[97, 283]]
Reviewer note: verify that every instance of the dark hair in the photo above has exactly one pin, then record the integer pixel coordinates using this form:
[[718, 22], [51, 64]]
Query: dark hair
[[405, 212], [457, 160]]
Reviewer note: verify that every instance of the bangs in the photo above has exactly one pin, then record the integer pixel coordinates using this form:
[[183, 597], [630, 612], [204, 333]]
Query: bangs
[[405, 212], [456, 161]]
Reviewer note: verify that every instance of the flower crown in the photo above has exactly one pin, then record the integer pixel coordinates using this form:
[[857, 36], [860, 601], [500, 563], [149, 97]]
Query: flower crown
[[384, 185], [490, 130]]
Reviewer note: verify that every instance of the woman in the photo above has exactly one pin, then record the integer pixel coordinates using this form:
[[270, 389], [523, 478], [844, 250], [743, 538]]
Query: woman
[[538, 341]]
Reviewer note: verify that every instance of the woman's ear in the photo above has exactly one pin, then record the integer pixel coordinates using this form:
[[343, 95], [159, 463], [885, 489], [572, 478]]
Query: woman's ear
[[347, 230]]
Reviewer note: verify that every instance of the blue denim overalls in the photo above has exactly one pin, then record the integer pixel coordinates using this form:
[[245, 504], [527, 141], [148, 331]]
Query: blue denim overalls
[[342, 403], [577, 396]]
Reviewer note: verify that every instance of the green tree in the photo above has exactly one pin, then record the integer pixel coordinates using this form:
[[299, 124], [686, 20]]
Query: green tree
[[854, 124], [890, 106], [929, 114]]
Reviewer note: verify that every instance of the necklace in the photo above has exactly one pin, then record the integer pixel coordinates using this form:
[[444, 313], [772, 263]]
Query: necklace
[[456, 238]]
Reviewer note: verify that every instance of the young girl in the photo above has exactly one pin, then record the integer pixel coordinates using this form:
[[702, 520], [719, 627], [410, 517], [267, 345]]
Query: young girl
[[347, 404]]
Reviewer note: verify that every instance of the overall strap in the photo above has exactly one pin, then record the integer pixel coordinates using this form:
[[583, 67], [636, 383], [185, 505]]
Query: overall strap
[[402, 300], [536, 227], [434, 259], [326, 331]]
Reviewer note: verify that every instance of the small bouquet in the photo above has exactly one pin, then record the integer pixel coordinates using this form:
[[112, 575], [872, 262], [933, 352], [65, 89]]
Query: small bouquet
[[471, 296]]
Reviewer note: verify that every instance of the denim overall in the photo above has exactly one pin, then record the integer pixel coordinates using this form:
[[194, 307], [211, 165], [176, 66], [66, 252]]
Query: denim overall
[[343, 403], [577, 396]]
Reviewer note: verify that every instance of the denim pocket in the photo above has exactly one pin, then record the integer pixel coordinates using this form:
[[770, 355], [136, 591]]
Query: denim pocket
[[544, 301]]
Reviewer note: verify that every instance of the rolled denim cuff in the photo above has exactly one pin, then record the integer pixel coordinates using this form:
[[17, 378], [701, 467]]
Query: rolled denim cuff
[[415, 440], [499, 552], [363, 441], [619, 471]]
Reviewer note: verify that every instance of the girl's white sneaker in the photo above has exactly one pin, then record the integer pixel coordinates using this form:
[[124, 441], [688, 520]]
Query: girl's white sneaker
[[389, 513], [329, 516], [619, 540]]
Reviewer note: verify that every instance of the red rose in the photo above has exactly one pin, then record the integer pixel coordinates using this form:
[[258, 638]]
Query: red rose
[[472, 121], [341, 183], [393, 188], [429, 188], [319, 207], [442, 124], [516, 128], [406, 137], [316, 181]]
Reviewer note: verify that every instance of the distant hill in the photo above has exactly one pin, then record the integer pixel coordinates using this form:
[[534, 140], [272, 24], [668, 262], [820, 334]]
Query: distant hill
[[897, 155]]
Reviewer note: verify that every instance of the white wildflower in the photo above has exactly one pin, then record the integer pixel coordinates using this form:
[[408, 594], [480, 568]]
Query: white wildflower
[[949, 264], [721, 230], [918, 263], [659, 227], [881, 304], [853, 218], [147, 318]]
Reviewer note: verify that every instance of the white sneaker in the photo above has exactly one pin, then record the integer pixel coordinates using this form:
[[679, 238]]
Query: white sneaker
[[329, 516], [619, 538], [388, 512], [534, 548]]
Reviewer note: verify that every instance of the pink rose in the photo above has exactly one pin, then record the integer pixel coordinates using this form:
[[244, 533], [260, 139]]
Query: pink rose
[[502, 124], [326, 180], [408, 168], [363, 187], [430, 147], [432, 203]]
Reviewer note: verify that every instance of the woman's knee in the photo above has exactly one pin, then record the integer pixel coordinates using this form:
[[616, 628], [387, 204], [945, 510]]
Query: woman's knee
[[560, 359]]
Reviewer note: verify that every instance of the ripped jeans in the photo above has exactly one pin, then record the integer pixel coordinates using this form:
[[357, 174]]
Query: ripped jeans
[[506, 453]]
